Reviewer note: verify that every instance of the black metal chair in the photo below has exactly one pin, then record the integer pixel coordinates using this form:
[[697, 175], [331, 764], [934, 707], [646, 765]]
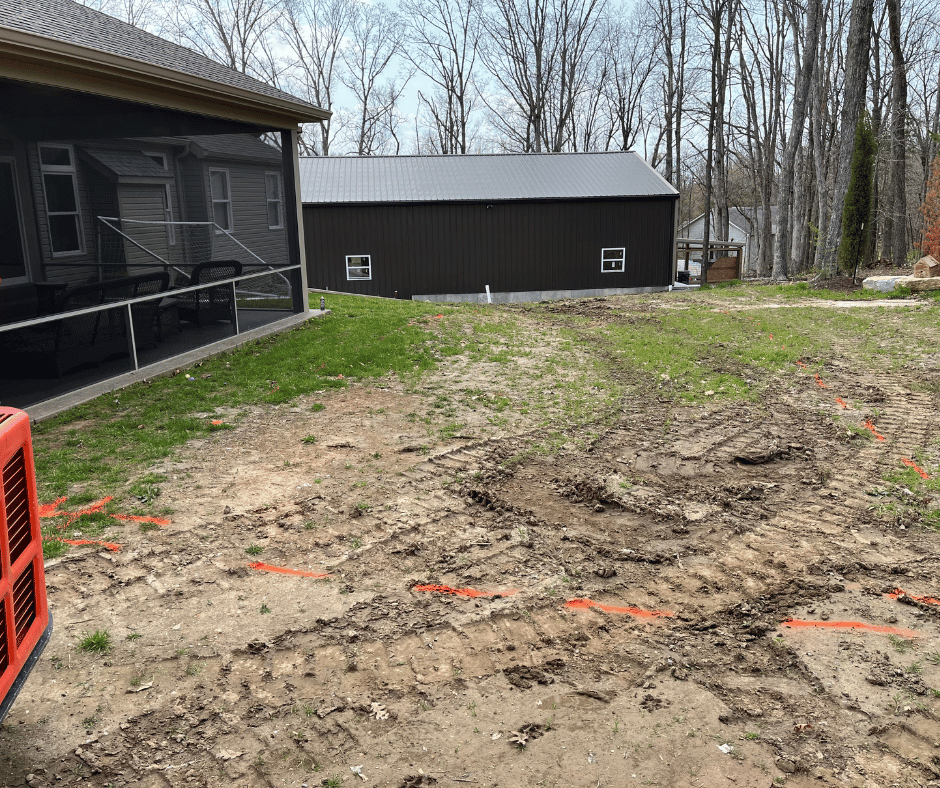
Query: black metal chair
[[58, 346], [210, 304]]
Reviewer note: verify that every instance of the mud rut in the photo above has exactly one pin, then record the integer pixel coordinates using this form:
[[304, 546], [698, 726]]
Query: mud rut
[[731, 520]]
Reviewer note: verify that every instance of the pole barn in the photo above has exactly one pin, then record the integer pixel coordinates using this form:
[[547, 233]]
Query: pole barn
[[524, 227]]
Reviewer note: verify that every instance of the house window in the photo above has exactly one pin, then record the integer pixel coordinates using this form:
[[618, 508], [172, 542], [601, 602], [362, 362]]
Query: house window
[[160, 160], [272, 187], [358, 266], [60, 186], [13, 260], [612, 261], [221, 199]]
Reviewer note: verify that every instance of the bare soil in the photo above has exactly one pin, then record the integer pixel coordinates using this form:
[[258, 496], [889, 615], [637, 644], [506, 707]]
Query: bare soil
[[697, 531]]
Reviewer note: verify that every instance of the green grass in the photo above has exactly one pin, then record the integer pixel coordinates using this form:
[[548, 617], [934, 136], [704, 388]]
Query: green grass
[[97, 642], [559, 371], [797, 290], [100, 447]]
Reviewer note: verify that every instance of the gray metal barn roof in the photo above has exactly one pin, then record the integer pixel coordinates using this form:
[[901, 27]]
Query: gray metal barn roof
[[471, 178]]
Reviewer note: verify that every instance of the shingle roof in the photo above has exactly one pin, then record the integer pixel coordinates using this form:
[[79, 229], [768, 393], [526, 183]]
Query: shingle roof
[[126, 163], [236, 146], [519, 176], [76, 24]]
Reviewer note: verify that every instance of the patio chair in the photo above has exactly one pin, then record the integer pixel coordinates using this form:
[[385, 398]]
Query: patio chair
[[58, 346], [210, 304]]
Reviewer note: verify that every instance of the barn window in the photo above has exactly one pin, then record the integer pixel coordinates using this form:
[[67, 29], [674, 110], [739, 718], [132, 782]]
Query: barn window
[[358, 266], [612, 261]]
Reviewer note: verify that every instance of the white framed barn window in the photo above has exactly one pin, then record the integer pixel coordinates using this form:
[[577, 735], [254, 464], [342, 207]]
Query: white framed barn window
[[612, 260], [60, 189], [221, 198], [272, 188], [358, 267]]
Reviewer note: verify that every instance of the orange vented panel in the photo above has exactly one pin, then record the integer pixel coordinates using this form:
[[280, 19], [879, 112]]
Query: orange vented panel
[[24, 614]]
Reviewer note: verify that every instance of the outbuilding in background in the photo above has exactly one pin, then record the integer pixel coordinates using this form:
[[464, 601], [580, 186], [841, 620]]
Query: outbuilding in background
[[530, 226]]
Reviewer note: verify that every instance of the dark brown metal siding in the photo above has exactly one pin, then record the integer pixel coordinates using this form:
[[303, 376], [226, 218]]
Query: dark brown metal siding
[[442, 248]]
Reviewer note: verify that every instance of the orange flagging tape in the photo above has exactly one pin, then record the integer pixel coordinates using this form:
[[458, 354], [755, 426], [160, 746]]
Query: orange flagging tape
[[800, 364], [842, 403], [52, 510], [262, 567], [928, 600], [871, 427], [636, 612], [472, 593], [771, 336], [110, 545], [134, 518], [797, 623], [910, 464], [217, 422], [819, 382]]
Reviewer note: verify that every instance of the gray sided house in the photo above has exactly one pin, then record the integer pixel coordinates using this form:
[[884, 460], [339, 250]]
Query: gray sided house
[[528, 226], [130, 168], [745, 226], [126, 200]]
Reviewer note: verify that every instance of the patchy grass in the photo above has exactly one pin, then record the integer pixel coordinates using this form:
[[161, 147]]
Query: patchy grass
[[101, 445]]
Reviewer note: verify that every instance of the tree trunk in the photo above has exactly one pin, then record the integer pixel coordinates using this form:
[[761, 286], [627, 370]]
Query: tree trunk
[[896, 245], [856, 80], [800, 101]]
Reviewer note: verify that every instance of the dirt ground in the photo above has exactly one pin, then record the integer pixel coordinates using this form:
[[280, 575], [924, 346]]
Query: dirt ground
[[689, 535]]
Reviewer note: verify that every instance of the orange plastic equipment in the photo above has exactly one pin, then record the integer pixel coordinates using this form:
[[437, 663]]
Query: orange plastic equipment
[[25, 623]]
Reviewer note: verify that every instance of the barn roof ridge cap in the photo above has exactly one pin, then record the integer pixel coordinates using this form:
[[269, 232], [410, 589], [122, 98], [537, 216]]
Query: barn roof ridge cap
[[351, 157]]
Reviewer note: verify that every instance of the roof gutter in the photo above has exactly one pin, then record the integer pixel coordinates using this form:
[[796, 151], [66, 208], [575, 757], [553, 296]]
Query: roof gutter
[[26, 57]]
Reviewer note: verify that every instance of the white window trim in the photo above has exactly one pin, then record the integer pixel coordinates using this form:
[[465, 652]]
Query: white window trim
[[16, 280], [60, 169], [168, 204], [358, 278], [228, 202], [279, 199], [623, 260]]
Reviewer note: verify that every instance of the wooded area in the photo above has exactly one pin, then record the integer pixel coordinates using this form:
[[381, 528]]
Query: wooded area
[[750, 104]]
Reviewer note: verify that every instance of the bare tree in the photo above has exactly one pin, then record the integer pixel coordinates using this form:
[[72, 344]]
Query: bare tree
[[671, 20], [232, 32], [315, 31], [540, 53], [895, 230], [856, 78], [375, 40], [762, 55], [148, 15], [720, 19], [804, 78], [627, 63], [443, 38]]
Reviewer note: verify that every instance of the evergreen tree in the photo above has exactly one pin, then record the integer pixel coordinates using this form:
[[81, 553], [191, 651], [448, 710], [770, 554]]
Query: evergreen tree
[[857, 211], [931, 212]]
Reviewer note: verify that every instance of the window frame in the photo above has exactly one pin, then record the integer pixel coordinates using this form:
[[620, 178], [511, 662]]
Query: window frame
[[278, 199], [62, 169], [623, 260], [18, 203], [167, 196], [367, 278], [227, 201]]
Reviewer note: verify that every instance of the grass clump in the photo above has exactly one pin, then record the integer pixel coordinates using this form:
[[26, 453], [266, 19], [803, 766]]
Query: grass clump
[[97, 642]]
